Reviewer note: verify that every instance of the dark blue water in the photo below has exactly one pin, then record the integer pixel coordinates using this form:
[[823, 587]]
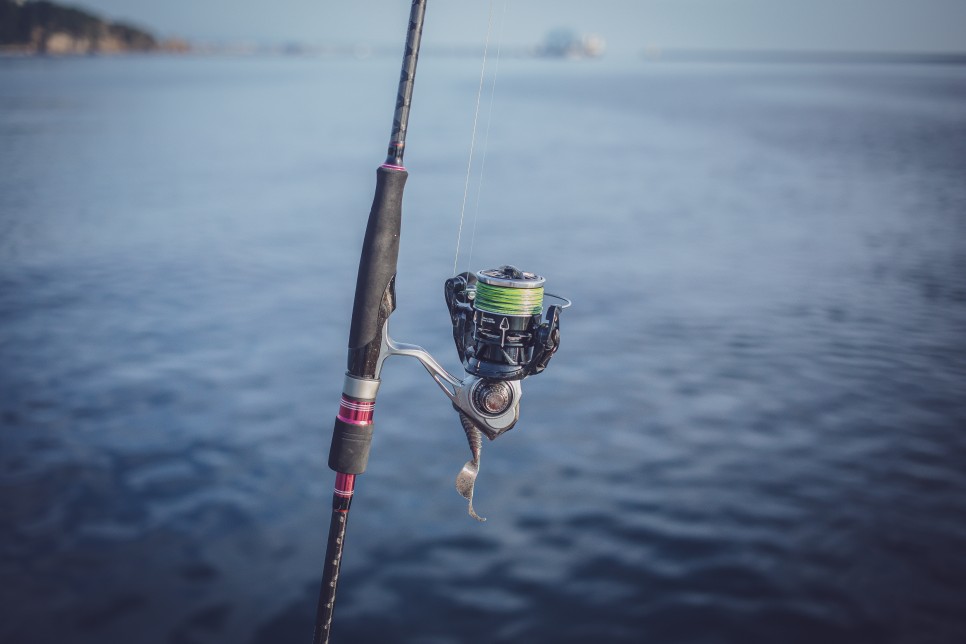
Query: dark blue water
[[755, 430]]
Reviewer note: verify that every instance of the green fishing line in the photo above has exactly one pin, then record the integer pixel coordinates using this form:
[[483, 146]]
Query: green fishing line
[[504, 300]]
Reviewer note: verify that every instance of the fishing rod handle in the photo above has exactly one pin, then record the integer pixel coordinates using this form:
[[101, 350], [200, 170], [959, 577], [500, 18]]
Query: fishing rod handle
[[375, 300], [375, 296]]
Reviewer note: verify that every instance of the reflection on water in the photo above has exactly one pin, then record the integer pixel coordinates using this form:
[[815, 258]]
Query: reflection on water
[[752, 433]]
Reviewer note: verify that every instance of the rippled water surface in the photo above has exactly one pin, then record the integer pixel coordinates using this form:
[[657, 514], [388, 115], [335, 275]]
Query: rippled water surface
[[755, 430]]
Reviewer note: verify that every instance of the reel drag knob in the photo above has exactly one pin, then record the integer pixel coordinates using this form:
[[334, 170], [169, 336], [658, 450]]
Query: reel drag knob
[[492, 397]]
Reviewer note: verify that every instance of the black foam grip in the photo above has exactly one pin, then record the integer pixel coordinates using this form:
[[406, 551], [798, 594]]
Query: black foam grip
[[380, 250], [349, 452]]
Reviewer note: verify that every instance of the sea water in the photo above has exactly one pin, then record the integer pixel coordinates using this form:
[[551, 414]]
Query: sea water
[[753, 430]]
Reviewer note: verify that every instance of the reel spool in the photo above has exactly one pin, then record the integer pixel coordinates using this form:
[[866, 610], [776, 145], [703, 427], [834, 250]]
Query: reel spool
[[497, 325]]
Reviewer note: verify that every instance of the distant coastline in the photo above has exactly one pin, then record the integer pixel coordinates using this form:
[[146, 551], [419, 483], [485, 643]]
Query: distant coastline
[[40, 27], [658, 54], [47, 28]]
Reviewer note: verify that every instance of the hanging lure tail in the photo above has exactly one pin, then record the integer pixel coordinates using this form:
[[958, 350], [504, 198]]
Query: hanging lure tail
[[466, 479]]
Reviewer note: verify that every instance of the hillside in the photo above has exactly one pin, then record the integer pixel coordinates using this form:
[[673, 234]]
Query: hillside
[[48, 28]]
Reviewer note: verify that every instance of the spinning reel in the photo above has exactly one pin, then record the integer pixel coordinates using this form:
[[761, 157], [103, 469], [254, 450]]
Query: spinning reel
[[496, 323], [502, 335]]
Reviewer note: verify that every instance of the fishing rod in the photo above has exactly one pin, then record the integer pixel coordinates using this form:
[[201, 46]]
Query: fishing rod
[[501, 331]]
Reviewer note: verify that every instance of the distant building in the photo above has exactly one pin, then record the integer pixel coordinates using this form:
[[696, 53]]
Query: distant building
[[566, 43]]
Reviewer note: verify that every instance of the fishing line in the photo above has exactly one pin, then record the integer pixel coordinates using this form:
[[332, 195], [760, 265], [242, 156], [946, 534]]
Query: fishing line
[[476, 117], [486, 135], [504, 300]]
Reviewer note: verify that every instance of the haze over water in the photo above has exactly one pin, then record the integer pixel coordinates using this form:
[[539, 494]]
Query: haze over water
[[753, 431]]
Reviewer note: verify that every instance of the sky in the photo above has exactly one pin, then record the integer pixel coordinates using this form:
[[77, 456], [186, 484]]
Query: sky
[[628, 26]]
